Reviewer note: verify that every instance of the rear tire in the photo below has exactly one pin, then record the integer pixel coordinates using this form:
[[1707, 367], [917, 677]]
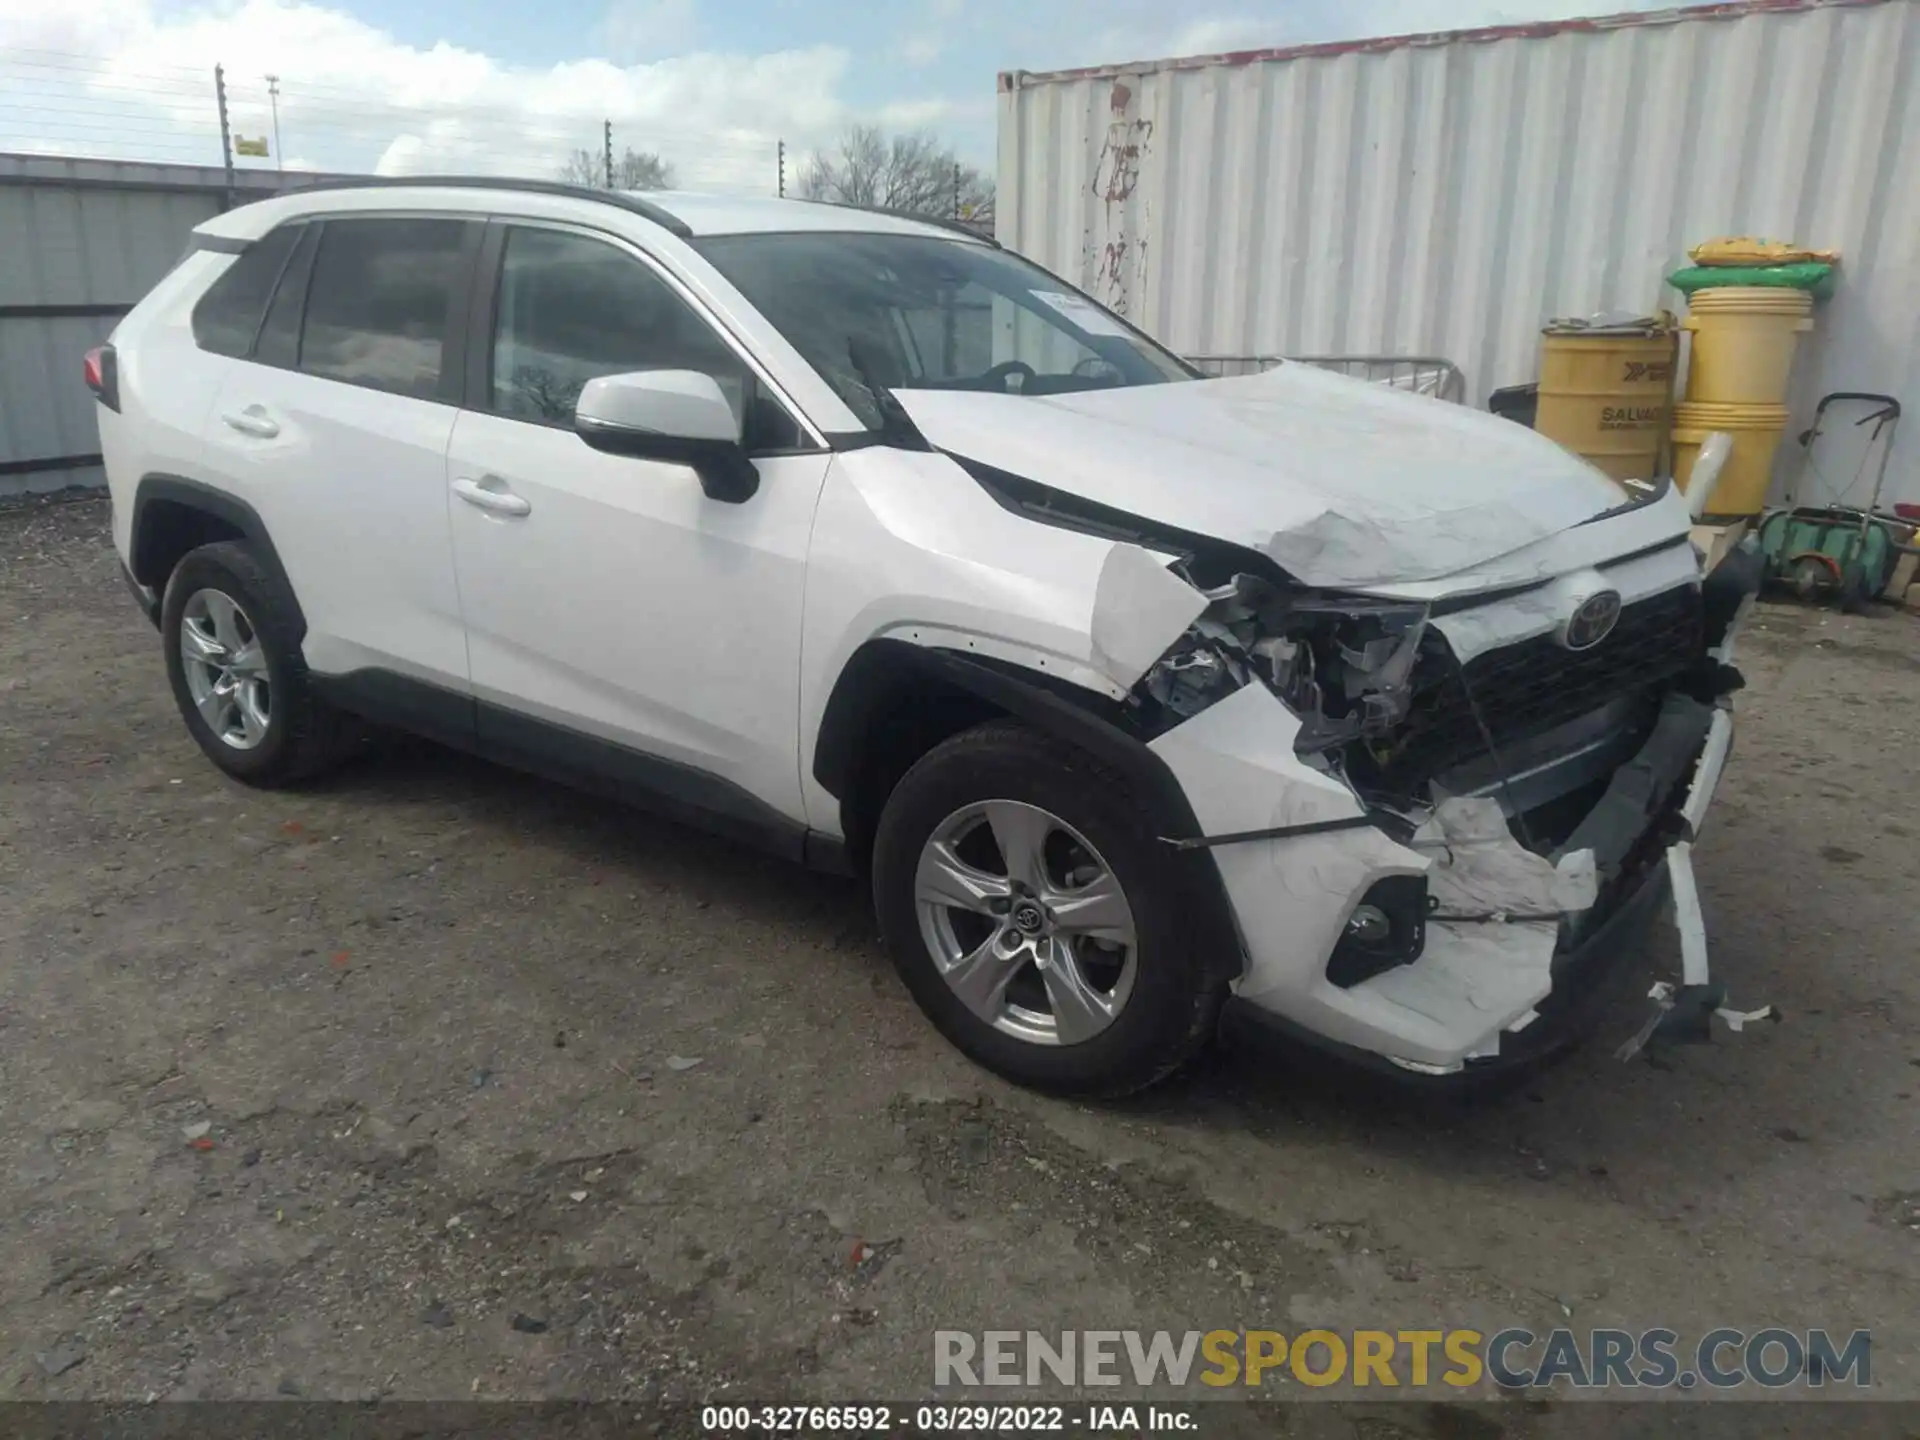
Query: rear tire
[[1077, 1011], [233, 657]]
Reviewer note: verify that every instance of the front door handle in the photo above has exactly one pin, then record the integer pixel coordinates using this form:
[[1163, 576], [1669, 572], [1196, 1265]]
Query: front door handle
[[252, 421], [489, 492]]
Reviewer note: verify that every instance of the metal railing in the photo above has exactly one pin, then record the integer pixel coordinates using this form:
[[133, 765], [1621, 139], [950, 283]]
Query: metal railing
[[1433, 375]]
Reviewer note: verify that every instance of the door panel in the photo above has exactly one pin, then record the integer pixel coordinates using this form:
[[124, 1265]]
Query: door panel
[[607, 593], [334, 424], [352, 487], [626, 604]]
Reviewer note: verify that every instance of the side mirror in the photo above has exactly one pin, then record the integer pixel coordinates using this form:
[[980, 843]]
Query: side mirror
[[681, 416]]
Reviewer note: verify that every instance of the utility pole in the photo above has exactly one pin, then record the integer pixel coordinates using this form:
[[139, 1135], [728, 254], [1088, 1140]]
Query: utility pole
[[609, 133], [273, 95], [782, 153], [956, 189], [226, 135]]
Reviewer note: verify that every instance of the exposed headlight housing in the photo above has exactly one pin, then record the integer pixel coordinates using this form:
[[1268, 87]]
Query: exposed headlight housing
[[1342, 663]]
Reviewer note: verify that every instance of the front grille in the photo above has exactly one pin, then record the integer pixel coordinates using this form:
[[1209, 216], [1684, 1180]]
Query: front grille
[[1532, 686]]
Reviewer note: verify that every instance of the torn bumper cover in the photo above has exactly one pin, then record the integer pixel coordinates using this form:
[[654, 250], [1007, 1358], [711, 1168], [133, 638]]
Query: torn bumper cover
[[1434, 941]]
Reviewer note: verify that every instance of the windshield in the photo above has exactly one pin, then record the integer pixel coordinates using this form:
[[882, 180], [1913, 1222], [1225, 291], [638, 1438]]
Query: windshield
[[913, 312]]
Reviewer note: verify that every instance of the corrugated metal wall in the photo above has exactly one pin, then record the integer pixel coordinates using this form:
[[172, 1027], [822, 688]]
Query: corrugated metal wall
[[1446, 194], [80, 242]]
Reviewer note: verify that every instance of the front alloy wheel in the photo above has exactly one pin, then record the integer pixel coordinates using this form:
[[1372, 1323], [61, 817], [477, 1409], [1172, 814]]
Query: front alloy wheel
[[1039, 921], [1026, 922]]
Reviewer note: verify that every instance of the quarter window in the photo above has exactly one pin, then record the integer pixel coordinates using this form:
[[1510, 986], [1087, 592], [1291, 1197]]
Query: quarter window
[[279, 341], [226, 317], [379, 303]]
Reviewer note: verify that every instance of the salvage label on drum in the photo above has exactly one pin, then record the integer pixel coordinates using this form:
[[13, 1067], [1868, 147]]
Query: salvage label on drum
[[1630, 417]]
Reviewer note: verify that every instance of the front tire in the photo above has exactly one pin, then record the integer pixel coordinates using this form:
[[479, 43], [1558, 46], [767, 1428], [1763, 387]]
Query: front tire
[[1036, 918], [233, 658]]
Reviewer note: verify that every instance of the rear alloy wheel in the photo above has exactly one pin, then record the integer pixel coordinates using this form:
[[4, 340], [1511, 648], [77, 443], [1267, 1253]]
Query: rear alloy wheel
[[232, 642], [1036, 917], [226, 669]]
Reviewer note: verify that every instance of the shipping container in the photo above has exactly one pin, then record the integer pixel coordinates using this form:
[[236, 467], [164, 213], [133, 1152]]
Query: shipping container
[[1443, 195]]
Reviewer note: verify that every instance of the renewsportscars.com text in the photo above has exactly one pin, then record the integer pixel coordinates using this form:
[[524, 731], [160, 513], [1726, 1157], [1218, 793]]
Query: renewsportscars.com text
[[1513, 1359]]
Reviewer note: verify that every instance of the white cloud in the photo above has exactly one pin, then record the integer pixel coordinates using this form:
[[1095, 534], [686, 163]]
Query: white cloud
[[128, 78]]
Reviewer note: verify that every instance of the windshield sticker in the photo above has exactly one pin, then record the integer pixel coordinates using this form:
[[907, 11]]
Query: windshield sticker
[[1081, 312]]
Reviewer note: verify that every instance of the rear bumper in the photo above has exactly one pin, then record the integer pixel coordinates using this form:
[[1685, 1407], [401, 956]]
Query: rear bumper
[[143, 596]]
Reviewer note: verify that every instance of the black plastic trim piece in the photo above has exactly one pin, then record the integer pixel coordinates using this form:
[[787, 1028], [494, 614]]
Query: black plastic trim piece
[[402, 702], [1278, 832], [143, 595], [678, 792], [620, 199], [237, 513], [483, 298]]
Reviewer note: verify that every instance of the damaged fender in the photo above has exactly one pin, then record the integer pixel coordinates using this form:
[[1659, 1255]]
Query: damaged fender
[[1139, 609]]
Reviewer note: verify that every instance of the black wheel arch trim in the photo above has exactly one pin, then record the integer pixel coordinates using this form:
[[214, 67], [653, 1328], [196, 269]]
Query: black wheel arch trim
[[195, 495], [1049, 704]]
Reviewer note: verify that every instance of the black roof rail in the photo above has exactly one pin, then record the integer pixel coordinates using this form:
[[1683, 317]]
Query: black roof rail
[[625, 199], [939, 222]]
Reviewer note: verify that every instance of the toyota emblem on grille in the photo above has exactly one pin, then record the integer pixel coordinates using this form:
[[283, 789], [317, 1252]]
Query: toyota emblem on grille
[[1592, 622]]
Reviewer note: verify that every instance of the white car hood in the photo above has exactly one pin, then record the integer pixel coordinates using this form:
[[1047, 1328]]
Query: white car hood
[[1341, 482]]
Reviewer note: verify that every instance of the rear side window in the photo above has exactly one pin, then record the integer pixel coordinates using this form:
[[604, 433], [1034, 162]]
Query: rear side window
[[380, 301], [279, 342], [229, 313]]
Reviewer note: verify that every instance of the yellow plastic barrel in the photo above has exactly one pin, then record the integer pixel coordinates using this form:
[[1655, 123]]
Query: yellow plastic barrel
[[1743, 342], [1603, 395], [1755, 431]]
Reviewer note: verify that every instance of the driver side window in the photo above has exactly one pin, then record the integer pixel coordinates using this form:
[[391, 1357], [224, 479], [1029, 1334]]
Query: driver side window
[[571, 308]]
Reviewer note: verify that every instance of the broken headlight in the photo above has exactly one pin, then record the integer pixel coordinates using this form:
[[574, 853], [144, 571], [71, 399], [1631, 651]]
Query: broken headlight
[[1342, 663]]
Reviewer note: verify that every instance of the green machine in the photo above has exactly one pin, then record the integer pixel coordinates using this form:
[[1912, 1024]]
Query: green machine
[[1833, 549]]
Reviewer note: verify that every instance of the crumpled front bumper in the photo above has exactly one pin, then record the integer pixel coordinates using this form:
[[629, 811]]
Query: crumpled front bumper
[[1515, 947]]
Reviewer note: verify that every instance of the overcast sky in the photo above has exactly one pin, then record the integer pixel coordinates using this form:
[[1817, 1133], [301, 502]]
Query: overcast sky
[[439, 84]]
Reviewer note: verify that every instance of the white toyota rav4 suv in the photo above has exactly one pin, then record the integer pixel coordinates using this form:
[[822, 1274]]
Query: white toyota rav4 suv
[[1140, 696]]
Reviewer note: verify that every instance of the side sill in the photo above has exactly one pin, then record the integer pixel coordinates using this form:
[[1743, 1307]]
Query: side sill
[[644, 781]]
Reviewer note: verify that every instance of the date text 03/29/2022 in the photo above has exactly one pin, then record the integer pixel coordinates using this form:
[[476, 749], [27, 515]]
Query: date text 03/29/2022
[[1086, 1419]]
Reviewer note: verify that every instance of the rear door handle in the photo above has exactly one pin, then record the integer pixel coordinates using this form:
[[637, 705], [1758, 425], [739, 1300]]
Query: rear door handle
[[489, 492], [253, 420]]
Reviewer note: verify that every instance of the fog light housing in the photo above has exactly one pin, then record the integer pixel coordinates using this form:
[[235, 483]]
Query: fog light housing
[[1369, 925], [1387, 928]]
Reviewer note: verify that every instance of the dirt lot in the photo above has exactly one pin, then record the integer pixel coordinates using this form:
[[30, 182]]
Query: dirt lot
[[440, 1082]]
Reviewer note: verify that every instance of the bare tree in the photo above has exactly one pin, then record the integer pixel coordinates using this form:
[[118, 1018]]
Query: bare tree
[[912, 172], [632, 170]]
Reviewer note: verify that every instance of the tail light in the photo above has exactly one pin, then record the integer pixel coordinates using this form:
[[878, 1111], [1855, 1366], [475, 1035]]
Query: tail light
[[102, 370], [1906, 511]]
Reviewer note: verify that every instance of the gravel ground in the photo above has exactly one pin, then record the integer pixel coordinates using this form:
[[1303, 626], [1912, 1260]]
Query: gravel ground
[[435, 1081]]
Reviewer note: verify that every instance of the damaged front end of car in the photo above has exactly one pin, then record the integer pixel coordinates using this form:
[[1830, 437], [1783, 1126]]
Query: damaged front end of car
[[1438, 819]]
